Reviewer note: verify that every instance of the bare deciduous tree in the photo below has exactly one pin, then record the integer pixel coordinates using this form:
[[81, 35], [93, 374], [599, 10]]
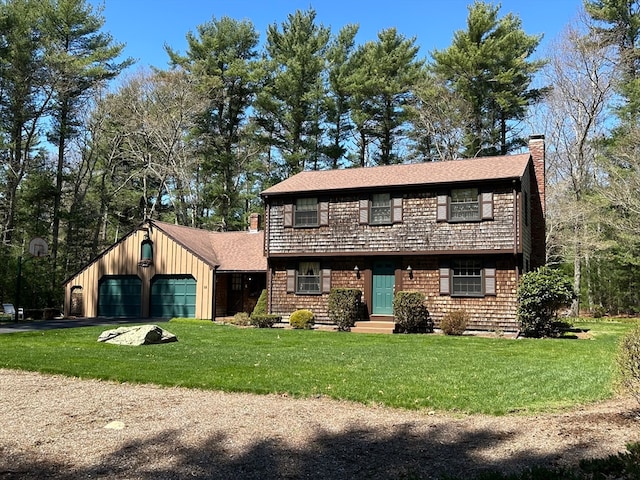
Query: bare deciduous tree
[[574, 119]]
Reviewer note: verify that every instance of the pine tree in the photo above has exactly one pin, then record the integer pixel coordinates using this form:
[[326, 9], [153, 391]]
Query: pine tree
[[222, 61], [488, 65], [289, 107]]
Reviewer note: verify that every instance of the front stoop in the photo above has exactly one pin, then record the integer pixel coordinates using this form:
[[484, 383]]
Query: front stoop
[[375, 325]]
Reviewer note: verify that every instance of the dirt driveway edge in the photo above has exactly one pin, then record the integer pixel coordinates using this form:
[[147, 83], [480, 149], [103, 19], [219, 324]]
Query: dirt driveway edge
[[66, 428]]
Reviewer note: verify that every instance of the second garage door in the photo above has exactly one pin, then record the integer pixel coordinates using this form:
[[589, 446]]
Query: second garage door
[[173, 296]]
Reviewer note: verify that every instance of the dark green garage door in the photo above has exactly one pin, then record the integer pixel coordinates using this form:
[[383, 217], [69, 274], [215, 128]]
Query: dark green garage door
[[173, 296], [119, 296]]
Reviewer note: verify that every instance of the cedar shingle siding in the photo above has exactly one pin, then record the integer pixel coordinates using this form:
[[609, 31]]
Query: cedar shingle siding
[[417, 231], [471, 261]]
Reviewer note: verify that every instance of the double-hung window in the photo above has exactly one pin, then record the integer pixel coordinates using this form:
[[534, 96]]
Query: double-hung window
[[381, 208], [464, 205], [466, 277], [306, 212], [308, 277]]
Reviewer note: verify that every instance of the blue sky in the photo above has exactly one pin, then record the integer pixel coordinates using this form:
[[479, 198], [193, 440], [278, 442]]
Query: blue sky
[[146, 25]]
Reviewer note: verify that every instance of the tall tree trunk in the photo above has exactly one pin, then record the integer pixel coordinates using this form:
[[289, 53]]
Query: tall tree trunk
[[577, 270], [57, 200]]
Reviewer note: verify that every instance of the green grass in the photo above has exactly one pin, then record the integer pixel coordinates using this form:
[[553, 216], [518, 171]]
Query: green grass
[[461, 374]]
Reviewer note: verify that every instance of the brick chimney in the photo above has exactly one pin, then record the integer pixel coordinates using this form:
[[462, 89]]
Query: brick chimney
[[538, 203], [254, 222]]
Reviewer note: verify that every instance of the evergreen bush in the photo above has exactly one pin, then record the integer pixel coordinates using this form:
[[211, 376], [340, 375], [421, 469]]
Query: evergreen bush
[[411, 314], [454, 322], [241, 319], [344, 307], [261, 304], [540, 295], [302, 319], [265, 320], [259, 317], [629, 362]]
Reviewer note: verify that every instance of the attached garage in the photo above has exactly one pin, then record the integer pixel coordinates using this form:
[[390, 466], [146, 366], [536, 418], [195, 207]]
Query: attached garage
[[119, 296], [173, 296], [164, 270]]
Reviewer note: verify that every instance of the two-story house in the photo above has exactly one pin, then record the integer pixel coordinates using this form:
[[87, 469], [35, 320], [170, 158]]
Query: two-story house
[[462, 232]]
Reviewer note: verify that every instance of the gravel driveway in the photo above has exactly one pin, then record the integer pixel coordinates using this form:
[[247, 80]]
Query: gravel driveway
[[64, 428]]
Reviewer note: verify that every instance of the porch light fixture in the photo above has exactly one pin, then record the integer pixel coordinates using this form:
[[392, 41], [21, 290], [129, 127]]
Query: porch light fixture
[[357, 270], [410, 271]]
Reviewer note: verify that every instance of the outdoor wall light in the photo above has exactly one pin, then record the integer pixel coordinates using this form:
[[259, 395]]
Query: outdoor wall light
[[410, 271], [357, 270]]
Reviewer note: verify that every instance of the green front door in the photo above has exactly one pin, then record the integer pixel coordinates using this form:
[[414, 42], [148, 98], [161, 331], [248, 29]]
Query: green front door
[[173, 296], [384, 280], [119, 296]]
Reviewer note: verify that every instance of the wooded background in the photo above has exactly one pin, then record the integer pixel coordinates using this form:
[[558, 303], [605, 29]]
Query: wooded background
[[90, 145]]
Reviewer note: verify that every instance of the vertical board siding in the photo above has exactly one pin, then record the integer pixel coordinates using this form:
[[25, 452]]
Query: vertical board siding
[[169, 258]]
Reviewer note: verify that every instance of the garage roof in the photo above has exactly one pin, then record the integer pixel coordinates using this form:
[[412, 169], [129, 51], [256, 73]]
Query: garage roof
[[229, 251]]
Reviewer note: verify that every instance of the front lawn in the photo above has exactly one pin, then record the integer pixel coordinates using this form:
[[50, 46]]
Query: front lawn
[[433, 372]]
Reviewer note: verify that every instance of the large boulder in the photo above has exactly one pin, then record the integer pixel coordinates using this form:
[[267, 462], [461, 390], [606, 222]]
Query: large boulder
[[138, 335]]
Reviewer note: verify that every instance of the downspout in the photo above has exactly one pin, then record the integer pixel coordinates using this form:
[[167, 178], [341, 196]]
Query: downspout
[[515, 247], [515, 232], [215, 293], [269, 289], [515, 218], [265, 252]]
